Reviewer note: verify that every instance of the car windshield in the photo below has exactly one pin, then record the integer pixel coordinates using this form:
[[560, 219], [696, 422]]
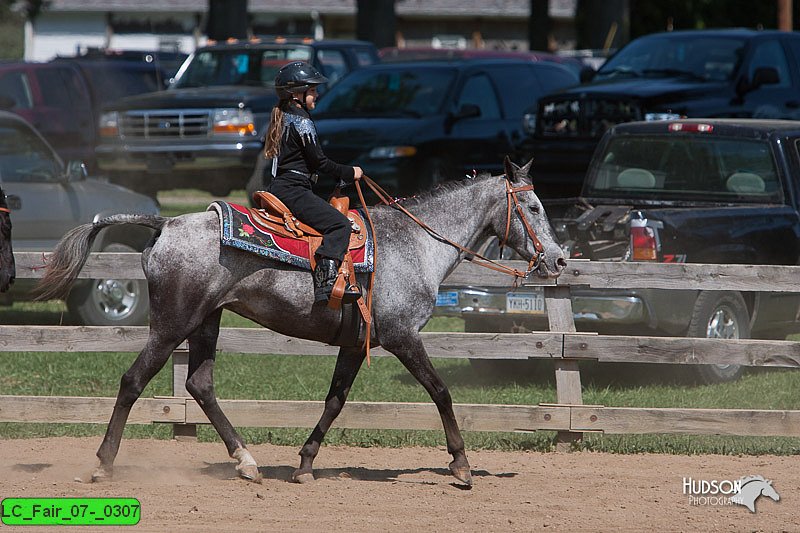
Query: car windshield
[[24, 157], [686, 167], [238, 67], [711, 58], [413, 92]]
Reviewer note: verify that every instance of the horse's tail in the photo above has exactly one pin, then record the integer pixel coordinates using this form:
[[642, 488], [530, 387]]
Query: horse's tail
[[71, 253]]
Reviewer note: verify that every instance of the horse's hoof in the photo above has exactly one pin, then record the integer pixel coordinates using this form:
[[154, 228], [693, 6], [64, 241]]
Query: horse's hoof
[[249, 472], [100, 474], [247, 466], [462, 473], [302, 477]]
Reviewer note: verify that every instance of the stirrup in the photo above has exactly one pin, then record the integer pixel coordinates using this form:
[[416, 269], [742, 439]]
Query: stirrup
[[351, 294]]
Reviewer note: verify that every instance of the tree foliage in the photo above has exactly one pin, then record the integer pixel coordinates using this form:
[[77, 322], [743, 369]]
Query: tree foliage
[[660, 15]]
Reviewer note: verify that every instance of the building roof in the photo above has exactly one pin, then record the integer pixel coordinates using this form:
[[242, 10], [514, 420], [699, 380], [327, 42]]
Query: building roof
[[407, 8]]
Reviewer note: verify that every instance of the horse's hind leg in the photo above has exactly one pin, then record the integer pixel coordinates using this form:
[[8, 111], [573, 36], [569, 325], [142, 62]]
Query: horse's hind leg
[[147, 364], [348, 363], [200, 384], [411, 352]]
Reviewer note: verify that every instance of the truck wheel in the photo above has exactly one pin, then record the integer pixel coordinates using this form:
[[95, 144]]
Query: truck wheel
[[719, 315], [110, 302]]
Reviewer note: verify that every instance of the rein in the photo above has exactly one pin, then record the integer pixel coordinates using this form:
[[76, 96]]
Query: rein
[[471, 255]]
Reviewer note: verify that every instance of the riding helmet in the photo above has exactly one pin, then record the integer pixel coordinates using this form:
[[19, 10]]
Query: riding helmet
[[296, 77]]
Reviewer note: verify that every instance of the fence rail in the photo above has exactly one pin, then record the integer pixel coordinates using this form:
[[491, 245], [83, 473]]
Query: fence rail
[[562, 345]]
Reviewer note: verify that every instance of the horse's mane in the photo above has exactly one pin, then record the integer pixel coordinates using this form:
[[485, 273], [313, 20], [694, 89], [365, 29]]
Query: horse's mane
[[748, 479], [443, 188]]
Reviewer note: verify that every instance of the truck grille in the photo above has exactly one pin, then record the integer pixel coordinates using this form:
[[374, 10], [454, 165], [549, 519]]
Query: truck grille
[[584, 116], [165, 124]]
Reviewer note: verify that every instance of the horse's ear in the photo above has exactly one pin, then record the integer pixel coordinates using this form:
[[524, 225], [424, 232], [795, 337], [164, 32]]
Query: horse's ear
[[524, 171], [516, 173], [510, 169]]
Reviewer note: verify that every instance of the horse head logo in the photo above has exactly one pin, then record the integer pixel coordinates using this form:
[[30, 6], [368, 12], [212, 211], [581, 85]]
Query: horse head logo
[[751, 488]]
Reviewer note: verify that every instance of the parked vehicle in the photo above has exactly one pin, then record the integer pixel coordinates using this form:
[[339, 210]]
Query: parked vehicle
[[394, 54], [166, 62], [696, 191], [207, 130], [62, 98], [412, 125], [47, 199], [735, 73]]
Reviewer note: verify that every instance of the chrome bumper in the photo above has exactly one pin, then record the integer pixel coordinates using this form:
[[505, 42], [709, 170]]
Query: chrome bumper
[[177, 156]]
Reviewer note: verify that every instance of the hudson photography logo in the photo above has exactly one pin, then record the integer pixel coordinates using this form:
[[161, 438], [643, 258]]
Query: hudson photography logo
[[719, 492]]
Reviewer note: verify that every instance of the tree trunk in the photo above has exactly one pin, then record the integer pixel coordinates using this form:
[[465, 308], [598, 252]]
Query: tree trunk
[[540, 25], [227, 19], [376, 22]]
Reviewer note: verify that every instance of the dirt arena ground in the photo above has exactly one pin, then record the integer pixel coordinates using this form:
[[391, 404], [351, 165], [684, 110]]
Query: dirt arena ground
[[186, 486]]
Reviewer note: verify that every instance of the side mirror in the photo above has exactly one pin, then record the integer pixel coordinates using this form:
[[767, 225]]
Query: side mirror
[[764, 76], [467, 111], [587, 74], [76, 171], [761, 76]]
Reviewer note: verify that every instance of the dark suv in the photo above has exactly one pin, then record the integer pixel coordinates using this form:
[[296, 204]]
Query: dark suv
[[412, 125], [207, 130], [63, 98], [735, 73]]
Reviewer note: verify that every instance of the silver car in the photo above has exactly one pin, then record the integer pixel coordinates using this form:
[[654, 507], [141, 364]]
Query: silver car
[[48, 198]]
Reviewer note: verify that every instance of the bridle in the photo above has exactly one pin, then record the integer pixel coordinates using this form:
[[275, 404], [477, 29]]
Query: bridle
[[511, 195], [475, 257], [471, 255]]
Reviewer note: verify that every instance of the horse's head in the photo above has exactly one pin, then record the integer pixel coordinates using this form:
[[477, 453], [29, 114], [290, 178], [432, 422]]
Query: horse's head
[[769, 491], [7, 267], [523, 224]]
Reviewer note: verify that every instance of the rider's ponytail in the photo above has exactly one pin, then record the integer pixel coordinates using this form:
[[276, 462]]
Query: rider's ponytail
[[273, 141]]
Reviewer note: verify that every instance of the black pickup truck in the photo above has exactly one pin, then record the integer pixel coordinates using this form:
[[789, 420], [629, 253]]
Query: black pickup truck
[[728, 73], [207, 130], [695, 191]]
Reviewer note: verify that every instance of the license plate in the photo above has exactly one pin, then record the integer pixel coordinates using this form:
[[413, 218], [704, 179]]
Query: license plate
[[532, 303], [447, 299]]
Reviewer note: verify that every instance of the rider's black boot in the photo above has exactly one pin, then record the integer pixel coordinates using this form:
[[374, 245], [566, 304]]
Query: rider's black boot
[[324, 278]]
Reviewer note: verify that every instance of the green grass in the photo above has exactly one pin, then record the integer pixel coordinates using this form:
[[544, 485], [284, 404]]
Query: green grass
[[308, 378]]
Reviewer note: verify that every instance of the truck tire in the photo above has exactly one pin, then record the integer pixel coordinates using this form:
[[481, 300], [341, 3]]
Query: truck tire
[[110, 302], [719, 315]]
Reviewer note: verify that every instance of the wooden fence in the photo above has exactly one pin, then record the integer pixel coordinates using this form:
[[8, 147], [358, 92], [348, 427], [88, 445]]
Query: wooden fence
[[569, 417]]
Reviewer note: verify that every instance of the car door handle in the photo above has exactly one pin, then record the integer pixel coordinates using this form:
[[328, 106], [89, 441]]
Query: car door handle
[[792, 104], [14, 202]]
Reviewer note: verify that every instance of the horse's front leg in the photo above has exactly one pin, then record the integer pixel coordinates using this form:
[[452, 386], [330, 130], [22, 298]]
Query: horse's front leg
[[348, 363], [411, 352]]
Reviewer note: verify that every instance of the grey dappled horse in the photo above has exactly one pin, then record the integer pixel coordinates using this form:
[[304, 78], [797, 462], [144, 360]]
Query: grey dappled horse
[[192, 278], [7, 267]]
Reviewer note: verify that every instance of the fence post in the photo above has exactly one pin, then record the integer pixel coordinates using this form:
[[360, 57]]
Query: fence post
[[180, 371], [568, 376]]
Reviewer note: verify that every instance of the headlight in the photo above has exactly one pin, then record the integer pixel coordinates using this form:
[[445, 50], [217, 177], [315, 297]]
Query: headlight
[[109, 124], [529, 123], [661, 116], [234, 121], [391, 152]]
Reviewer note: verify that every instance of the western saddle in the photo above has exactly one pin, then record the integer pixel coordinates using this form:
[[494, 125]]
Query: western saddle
[[274, 215]]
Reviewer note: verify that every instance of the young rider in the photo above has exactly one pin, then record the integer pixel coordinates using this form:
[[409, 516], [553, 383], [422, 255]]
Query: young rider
[[297, 156]]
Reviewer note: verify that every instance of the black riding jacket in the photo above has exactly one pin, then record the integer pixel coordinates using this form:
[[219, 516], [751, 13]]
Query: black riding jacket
[[300, 154]]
